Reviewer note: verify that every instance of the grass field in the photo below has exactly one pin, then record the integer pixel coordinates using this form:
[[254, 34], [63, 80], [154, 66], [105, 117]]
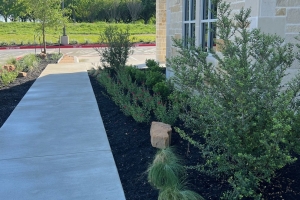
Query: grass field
[[21, 33]]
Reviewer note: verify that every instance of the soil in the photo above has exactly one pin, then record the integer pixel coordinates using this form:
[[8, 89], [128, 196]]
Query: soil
[[130, 144]]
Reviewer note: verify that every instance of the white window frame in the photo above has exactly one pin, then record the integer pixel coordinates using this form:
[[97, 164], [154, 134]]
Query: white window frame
[[207, 21], [192, 19]]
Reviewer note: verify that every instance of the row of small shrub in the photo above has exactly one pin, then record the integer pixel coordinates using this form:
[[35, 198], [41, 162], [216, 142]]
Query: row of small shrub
[[137, 99]]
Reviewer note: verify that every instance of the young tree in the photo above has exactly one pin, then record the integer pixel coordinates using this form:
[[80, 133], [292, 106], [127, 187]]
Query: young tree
[[49, 15]]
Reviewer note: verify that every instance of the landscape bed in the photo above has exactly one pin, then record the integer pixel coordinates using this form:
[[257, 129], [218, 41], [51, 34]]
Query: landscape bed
[[133, 153]]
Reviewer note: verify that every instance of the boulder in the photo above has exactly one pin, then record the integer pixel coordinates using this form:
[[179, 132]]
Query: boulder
[[43, 55], [9, 68], [22, 74], [160, 135]]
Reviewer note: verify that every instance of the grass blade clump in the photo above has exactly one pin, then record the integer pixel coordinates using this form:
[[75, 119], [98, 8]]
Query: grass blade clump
[[179, 194], [165, 170], [167, 174]]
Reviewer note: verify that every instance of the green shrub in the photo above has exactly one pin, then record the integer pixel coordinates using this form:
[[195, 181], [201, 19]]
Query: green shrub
[[164, 89], [74, 42], [140, 76], [239, 107], [153, 77], [8, 77], [28, 63], [126, 88], [132, 99], [119, 47], [151, 63], [166, 112], [12, 61], [178, 193], [154, 66], [3, 44]]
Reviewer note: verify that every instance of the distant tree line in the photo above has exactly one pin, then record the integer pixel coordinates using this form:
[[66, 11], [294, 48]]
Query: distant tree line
[[85, 10]]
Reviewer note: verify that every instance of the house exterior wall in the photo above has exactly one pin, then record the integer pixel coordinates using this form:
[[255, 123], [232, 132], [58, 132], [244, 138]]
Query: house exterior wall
[[281, 17], [161, 31], [174, 24]]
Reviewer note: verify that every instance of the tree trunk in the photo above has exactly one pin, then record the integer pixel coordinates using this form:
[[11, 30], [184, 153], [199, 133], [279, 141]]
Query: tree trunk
[[5, 18], [44, 39], [73, 14]]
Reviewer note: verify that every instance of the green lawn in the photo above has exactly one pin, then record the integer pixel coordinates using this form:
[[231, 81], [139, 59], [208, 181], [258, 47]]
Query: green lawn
[[23, 33]]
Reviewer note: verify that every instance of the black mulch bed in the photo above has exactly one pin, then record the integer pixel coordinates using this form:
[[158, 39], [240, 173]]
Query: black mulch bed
[[130, 143]]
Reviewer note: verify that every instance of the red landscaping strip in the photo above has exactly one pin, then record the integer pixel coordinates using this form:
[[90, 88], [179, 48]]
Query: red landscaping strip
[[70, 46]]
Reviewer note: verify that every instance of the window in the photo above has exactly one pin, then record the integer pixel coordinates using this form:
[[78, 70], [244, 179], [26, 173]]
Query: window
[[204, 26], [189, 19], [207, 25]]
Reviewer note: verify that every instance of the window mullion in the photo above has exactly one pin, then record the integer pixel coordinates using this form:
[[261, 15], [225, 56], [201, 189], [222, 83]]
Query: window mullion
[[209, 10], [209, 37]]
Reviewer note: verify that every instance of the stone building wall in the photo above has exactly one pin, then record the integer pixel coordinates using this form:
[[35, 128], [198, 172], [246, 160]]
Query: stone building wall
[[174, 24], [161, 30], [290, 10]]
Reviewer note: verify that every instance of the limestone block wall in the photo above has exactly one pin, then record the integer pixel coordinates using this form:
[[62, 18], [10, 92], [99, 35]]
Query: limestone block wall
[[174, 24], [161, 31], [174, 27], [290, 10]]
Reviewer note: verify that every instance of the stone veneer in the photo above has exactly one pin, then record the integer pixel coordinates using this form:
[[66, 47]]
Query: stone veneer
[[281, 17], [161, 31], [174, 24]]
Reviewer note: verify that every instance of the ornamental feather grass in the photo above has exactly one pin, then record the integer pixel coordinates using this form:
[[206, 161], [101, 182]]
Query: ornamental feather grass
[[167, 174], [179, 193]]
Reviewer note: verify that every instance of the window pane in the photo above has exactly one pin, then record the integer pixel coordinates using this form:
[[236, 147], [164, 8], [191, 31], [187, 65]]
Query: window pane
[[186, 34], [213, 37], [187, 10], [193, 11], [205, 9], [213, 11], [193, 30], [204, 36]]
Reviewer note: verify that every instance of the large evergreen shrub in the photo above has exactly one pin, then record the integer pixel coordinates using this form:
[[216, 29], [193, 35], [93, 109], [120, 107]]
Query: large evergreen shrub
[[243, 120]]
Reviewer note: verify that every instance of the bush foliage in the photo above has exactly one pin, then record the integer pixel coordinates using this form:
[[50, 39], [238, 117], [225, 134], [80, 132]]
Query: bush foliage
[[246, 116], [119, 47]]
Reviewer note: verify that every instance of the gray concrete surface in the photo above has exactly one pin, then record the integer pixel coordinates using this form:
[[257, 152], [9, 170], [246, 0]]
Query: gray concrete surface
[[54, 145], [88, 55]]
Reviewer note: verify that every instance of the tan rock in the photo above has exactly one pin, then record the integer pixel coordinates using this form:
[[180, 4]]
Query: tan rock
[[43, 55], [9, 67], [22, 74], [160, 135]]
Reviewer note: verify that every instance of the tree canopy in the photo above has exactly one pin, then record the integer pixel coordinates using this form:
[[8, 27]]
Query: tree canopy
[[83, 10], [49, 14]]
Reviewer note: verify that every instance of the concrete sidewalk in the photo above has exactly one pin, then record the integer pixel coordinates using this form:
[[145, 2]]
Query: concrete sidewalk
[[54, 145]]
